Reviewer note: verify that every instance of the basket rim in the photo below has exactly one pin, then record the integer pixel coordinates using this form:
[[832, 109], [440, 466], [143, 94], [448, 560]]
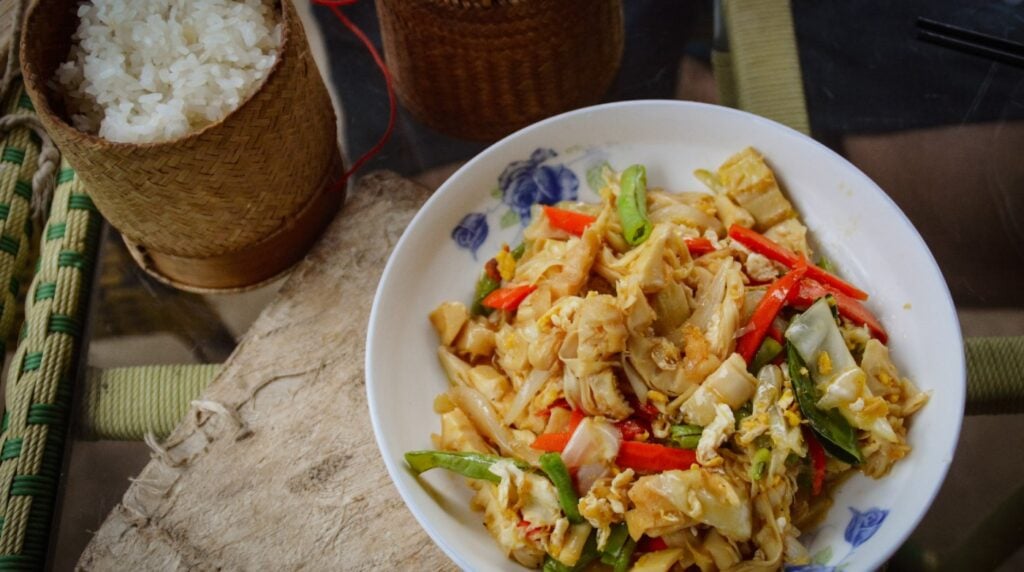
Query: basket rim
[[44, 109]]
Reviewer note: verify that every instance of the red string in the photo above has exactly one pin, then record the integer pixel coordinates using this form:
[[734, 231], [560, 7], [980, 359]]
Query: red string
[[335, 6]]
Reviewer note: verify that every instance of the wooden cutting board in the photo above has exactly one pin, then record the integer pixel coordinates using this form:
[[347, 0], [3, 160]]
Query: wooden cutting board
[[277, 468]]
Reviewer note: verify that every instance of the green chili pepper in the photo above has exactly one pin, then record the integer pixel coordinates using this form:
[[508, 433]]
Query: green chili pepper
[[769, 350], [484, 286], [588, 555], [836, 434], [685, 436], [625, 556], [616, 540], [472, 465], [552, 465], [518, 251], [632, 205], [760, 462], [618, 550]]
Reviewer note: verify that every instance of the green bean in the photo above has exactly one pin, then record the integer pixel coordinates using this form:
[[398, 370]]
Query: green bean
[[769, 350], [625, 556], [632, 205], [760, 462], [552, 465], [837, 436], [685, 436], [472, 465], [616, 540], [518, 251], [588, 555], [484, 286]]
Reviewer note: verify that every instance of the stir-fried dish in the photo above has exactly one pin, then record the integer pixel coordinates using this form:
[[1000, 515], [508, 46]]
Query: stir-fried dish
[[664, 381]]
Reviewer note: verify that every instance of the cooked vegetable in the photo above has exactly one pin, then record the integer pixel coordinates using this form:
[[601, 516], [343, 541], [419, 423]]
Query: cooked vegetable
[[648, 457], [509, 297], [817, 462], [748, 180], [685, 436], [632, 205], [484, 286], [616, 541], [767, 247], [551, 442], [621, 561], [589, 554], [842, 384], [699, 246], [769, 350], [684, 387], [810, 291], [766, 312], [472, 465], [829, 424], [554, 468], [519, 251], [658, 560], [570, 221], [761, 459]]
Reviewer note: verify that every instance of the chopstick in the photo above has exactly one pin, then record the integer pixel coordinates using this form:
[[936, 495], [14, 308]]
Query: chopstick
[[970, 42]]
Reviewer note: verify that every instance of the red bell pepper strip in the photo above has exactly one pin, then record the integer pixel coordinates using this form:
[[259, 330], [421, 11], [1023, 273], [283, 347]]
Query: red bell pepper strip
[[509, 297], [765, 246], [651, 544], [652, 458], [575, 418], [699, 246], [817, 453], [810, 291], [551, 442], [570, 221], [556, 442], [766, 311], [631, 429], [636, 455]]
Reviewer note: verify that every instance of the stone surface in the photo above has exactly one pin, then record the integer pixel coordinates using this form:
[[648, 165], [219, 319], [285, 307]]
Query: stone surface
[[276, 468]]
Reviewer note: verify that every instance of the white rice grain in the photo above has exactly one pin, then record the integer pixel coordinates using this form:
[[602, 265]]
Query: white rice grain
[[154, 70]]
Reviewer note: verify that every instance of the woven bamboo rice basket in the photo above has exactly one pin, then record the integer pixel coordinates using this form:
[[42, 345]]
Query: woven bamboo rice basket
[[480, 69], [223, 208]]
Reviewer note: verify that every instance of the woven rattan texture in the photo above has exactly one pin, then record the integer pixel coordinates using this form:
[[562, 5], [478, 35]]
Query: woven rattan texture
[[482, 71], [995, 382], [214, 191], [39, 380], [128, 402], [19, 151]]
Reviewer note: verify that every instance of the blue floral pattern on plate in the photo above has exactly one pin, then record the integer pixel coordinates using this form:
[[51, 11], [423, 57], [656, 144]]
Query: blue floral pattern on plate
[[471, 232], [526, 183], [863, 525], [520, 186]]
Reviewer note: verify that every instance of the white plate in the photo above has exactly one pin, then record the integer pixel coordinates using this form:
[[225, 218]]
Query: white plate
[[852, 221]]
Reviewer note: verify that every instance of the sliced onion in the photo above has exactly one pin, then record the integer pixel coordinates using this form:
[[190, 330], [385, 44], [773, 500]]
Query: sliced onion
[[709, 297], [593, 442], [525, 395], [482, 415], [587, 475], [635, 381]]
